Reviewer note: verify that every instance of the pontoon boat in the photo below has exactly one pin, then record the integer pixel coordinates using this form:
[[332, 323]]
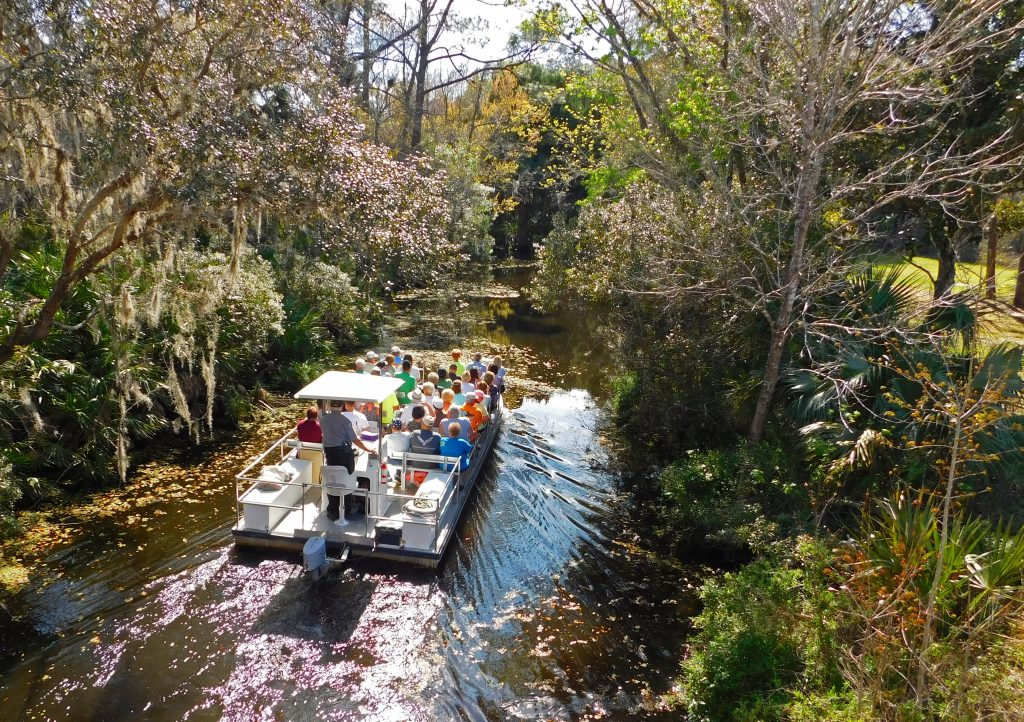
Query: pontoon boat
[[402, 506]]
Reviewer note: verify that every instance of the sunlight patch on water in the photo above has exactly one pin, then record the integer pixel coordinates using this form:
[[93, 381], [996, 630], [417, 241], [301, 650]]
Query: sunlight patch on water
[[544, 609]]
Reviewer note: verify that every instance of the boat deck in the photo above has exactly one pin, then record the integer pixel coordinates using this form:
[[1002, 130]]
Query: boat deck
[[310, 520], [285, 515]]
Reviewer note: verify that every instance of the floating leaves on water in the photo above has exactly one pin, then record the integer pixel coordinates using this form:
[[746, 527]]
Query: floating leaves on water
[[171, 477]]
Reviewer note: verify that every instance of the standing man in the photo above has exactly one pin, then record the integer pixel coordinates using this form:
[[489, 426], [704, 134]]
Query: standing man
[[358, 418], [408, 382], [338, 439], [460, 368]]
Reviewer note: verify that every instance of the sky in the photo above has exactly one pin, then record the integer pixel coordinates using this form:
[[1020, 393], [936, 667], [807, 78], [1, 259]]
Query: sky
[[501, 21]]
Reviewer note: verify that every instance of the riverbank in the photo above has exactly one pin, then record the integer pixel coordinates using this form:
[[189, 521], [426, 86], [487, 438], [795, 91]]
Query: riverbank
[[553, 603], [62, 510], [62, 522]]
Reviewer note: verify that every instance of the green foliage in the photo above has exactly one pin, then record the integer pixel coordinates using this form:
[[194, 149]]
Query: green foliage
[[996, 681], [471, 204], [729, 500], [250, 313], [10, 494], [766, 639], [328, 291], [842, 706], [304, 350], [1009, 214], [607, 181], [875, 400], [897, 561]]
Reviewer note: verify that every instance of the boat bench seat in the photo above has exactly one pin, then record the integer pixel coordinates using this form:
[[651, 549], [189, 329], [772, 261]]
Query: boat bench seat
[[432, 483], [266, 503], [433, 465]]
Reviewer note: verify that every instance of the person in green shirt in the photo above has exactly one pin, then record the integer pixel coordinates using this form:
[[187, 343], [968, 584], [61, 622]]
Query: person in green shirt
[[408, 382], [460, 368]]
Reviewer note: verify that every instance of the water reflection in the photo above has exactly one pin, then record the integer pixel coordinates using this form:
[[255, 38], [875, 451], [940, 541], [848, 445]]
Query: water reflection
[[548, 607], [565, 349]]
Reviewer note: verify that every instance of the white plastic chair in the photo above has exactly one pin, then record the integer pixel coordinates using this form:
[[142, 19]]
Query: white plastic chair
[[337, 481]]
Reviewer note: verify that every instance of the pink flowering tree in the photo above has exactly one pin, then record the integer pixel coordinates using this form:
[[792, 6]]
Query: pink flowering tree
[[128, 126]]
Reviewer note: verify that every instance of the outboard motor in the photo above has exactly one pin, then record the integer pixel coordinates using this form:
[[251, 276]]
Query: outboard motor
[[314, 557]]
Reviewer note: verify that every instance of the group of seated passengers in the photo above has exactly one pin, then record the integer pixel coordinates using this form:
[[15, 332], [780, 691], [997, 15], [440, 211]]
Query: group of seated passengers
[[446, 413]]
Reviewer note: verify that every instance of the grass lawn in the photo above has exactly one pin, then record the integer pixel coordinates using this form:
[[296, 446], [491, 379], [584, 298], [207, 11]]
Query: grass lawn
[[968, 275], [996, 326]]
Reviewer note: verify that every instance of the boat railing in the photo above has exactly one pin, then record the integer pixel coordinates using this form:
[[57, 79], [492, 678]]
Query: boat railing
[[410, 464], [246, 482], [289, 444]]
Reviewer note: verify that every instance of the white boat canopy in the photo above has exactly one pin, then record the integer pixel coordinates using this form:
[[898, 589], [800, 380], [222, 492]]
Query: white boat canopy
[[345, 386]]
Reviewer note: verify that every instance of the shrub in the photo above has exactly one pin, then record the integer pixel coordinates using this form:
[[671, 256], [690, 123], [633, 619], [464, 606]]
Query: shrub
[[892, 570], [303, 351], [766, 632], [251, 314], [328, 291], [728, 500], [842, 706], [10, 493]]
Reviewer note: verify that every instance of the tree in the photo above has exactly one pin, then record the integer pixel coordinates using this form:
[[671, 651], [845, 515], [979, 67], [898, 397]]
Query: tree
[[765, 110], [128, 124], [896, 391], [420, 53]]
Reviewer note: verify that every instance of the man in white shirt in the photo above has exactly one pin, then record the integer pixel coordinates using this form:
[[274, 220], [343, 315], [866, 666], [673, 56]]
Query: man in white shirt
[[415, 399], [358, 418]]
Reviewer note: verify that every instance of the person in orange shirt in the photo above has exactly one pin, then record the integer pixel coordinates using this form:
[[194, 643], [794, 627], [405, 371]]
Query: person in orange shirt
[[475, 413]]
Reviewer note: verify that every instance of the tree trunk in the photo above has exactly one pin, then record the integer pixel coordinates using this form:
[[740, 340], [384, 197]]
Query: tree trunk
[[1018, 294], [364, 80], [947, 268], [524, 241], [40, 327], [6, 252], [420, 80], [990, 258], [780, 327], [342, 62], [74, 270]]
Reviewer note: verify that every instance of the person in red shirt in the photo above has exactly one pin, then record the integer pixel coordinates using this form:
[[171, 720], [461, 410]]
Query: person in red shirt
[[309, 428]]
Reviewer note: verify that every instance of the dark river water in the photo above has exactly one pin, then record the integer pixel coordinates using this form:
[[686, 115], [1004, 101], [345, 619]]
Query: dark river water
[[550, 606]]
